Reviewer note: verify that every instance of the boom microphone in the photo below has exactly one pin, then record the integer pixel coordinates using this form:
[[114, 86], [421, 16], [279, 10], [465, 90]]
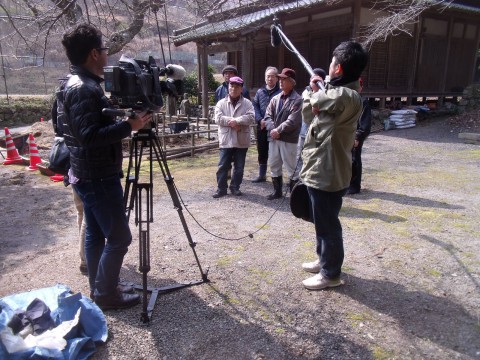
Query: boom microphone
[[275, 38], [175, 72]]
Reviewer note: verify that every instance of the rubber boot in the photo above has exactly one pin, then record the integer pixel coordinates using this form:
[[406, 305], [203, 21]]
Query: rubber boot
[[262, 174], [277, 188]]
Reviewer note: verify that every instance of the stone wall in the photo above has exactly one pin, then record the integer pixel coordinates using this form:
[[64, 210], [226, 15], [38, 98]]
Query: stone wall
[[470, 99], [21, 111]]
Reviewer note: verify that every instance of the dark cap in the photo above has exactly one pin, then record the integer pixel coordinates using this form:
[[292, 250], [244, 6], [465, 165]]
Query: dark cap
[[235, 80], [286, 72], [320, 72], [300, 203], [230, 68]]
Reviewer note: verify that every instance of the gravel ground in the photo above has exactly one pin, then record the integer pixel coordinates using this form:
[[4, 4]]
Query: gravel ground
[[411, 272]]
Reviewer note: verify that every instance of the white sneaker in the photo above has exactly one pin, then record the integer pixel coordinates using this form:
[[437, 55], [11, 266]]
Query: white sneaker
[[318, 282], [313, 267]]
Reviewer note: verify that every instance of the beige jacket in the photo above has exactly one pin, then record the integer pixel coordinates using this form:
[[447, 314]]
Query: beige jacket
[[327, 157], [243, 113]]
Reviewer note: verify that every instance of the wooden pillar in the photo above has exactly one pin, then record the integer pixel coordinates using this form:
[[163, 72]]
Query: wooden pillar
[[440, 102], [416, 54], [477, 56], [204, 77], [246, 62], [356, 7], [449, 46], [199, 65], [382, 103]]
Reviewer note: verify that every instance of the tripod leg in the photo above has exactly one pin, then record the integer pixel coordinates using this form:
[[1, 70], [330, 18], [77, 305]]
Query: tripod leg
[[144, 244], [176, 201], [128, 203], [141, 199]]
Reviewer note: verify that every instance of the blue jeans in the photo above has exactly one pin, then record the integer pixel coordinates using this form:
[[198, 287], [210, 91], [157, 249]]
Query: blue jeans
[[325, 209], [227, 155], [105, 216]]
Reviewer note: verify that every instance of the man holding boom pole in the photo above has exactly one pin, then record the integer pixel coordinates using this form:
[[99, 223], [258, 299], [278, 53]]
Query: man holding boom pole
[[327, 159]]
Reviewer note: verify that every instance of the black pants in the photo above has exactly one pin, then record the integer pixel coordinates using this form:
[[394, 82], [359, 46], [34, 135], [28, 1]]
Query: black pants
[[355, 182], [262, 146]]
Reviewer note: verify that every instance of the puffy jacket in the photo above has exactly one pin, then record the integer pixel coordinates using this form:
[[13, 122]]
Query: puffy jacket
[[327, 157], [243, 114], [288, 119], [94, 140], [261, 100]]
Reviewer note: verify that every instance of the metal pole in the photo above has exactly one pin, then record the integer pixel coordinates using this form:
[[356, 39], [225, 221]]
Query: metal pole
[[295, 51]]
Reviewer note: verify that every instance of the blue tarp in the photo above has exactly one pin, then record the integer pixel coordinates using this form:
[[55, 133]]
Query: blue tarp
[[91, 328]]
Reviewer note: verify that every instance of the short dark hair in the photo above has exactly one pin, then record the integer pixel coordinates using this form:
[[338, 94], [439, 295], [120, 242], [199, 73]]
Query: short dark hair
[[353, 58], [80, 41]]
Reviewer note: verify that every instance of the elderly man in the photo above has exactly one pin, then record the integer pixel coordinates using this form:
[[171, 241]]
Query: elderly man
[[260, 102], [283, 120], [222, 91], [234, 114]]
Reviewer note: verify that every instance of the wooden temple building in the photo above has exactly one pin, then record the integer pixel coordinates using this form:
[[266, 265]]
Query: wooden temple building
[[438, 58]]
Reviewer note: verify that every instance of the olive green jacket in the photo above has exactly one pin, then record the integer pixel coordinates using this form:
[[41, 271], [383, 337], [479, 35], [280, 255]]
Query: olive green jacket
[[327, 157]]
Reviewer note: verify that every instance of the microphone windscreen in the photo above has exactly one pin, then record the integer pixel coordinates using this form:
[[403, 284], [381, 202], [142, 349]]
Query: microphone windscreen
[[275, 38], [176, 72]]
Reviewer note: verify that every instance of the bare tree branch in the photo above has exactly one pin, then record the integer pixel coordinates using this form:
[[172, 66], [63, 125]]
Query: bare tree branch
[[400, 15], [119, 39], [70, 9]]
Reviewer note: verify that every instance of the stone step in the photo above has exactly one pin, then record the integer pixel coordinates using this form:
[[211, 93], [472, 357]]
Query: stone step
[[470, 138]]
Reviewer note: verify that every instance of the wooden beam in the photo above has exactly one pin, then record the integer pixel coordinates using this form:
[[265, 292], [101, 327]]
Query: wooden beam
[[225, 47]]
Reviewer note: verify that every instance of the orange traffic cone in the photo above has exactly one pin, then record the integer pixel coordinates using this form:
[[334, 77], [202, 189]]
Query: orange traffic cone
[[57, 177], [12, 153], [34, 155]]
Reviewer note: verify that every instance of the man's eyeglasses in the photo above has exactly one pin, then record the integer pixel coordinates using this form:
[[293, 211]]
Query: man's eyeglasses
[[103, 48]]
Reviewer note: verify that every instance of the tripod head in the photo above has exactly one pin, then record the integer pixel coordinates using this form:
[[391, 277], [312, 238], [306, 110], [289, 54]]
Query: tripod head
[[131, 114]]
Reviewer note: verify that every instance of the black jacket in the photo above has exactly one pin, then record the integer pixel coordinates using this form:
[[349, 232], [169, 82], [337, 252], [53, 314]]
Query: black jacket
[[364, 122], [94, 140], [261, 100]]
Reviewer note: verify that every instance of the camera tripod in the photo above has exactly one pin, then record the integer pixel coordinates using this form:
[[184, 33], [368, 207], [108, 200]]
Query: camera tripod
[[138, 196]]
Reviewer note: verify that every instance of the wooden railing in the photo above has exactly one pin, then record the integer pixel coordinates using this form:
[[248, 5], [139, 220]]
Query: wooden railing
[[195, 128]]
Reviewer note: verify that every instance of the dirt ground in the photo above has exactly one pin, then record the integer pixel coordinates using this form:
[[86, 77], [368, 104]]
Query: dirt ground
[[411, 271]]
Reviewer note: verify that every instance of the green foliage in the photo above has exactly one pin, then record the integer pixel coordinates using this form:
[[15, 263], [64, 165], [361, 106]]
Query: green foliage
[[212, 83], [191, 82], [24, 110]]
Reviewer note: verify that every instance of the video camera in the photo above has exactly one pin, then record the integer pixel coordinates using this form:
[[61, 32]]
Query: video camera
[[136, 83]]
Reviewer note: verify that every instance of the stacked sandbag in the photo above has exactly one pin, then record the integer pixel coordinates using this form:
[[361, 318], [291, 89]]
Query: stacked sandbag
[[402, 119]]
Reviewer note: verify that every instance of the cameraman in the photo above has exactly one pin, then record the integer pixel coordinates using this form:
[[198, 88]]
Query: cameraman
[[94, 141]]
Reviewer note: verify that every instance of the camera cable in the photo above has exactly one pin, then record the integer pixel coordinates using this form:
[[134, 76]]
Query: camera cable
[[250, 235]]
